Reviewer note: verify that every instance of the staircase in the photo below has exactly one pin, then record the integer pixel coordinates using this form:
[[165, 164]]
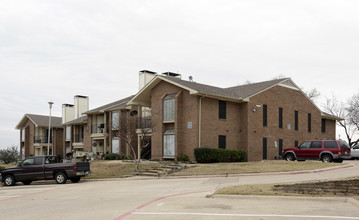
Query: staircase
[[163, 169]]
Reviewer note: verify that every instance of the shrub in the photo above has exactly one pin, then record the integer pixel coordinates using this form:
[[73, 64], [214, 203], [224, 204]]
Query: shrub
[[183, 158], [215, 155], [8, 155], [1, 168], [112, 156]]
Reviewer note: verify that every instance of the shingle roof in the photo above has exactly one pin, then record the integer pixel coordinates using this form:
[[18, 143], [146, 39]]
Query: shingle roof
[[111, 106], [41, 121], [245, 91], [81, 120], [237, 92]]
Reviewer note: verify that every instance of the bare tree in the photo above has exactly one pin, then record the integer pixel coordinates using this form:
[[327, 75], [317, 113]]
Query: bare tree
[[312, 94], [345, 111], [131, 127]]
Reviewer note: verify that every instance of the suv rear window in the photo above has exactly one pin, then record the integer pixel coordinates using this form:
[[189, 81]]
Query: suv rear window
[[343, 144], [330, 144]]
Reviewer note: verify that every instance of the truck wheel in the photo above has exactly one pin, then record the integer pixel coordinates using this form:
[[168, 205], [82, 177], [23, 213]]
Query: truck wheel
[[327, 158], [60, 178], [75, 179], [9, 180], [27, 182], [289, 157]]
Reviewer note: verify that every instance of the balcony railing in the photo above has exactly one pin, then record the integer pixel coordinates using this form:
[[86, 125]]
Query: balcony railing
[[78, 138], [144, 122], [41, 139], [99, 129]]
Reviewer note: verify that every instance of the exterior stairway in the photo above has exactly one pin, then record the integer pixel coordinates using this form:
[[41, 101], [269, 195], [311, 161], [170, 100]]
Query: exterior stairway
[[163, 169]]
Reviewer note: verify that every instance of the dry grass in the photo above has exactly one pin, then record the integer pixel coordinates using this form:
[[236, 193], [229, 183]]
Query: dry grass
[[264, 190], [112, 169], [253, 167]]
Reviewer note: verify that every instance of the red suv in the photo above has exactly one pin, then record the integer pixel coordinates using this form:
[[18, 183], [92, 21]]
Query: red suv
[[324, 150]]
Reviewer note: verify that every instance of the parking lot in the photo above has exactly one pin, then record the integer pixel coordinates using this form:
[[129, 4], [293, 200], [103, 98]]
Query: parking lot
[[174, 198]]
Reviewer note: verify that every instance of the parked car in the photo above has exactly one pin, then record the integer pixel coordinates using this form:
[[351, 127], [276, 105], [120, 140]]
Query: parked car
[[355, 152], [324, 150], [44, 168]]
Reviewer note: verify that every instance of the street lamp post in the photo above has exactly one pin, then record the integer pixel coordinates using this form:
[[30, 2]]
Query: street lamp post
[[48, 136]]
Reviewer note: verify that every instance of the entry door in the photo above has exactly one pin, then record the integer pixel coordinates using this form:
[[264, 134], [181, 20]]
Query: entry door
[[264, 148]]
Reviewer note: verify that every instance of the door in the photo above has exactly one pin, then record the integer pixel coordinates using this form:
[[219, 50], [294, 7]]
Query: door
[[315, 150], [264, 148], [31, 169]]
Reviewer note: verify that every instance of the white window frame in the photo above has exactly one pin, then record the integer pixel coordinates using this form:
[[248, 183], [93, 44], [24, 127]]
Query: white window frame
[[169, 144]]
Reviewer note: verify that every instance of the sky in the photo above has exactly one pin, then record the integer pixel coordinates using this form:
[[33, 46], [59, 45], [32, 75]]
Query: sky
[[54, 50]]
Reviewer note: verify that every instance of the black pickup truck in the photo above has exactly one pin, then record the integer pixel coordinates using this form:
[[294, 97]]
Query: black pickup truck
[[44, 168]]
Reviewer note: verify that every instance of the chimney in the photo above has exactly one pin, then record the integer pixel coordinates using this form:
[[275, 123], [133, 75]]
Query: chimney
[[172, 74], [145, 76], [68, 113], [81, 105]]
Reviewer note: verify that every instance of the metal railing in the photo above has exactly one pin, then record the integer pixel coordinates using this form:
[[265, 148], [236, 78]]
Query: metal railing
[[41, 139], [78, 138], [144, 122], [99, 128]]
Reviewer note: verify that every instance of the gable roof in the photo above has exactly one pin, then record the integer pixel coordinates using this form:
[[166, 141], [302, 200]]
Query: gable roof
[[40, 121], [80, 120], [234, 94], [120, 104], [240, 93]]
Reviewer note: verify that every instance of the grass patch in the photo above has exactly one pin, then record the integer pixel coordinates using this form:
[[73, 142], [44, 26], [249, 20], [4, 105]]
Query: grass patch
[[268, 190], [253, 167], [113, 169]]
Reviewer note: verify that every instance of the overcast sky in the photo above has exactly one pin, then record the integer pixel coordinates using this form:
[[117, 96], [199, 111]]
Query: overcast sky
[[53, 50]]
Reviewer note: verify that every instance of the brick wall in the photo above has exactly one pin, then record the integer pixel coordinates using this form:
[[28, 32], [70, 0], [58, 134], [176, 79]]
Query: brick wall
[[242, 127], [337, 187]]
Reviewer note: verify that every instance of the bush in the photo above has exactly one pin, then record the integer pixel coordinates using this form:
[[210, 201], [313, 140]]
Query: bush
[[215, 155], [1, 168], [112, 156], [121, 156], [183, 158], [8, 155]]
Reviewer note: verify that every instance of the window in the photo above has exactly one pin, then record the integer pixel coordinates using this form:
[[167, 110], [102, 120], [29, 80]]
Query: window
[[280, 118], [169, 143], [316, 145], [38, 161], [323, 125], [222, 110], [280, 149], [330, 144], [169, 108], [115, 120], [305, 145], [222, 141], [264, 115], [309, 122], [115, 146], [295, 143], [264, 148], [27, 162], [296, 120], [68, 132], [23, 134]]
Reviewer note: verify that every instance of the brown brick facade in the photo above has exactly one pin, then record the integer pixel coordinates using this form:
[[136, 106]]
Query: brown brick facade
[[243, 126]]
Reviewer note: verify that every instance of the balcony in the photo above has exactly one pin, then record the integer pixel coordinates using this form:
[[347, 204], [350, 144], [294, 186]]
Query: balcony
[[78, 138], [41, 139], [99, 129], [143, 123]]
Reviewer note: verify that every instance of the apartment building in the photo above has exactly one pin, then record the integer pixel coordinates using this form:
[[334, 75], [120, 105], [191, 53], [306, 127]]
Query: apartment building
[[34, 135], [259, 118]]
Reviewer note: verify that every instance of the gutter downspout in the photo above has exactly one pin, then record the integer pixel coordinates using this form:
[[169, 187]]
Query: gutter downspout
[[200, 121]]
